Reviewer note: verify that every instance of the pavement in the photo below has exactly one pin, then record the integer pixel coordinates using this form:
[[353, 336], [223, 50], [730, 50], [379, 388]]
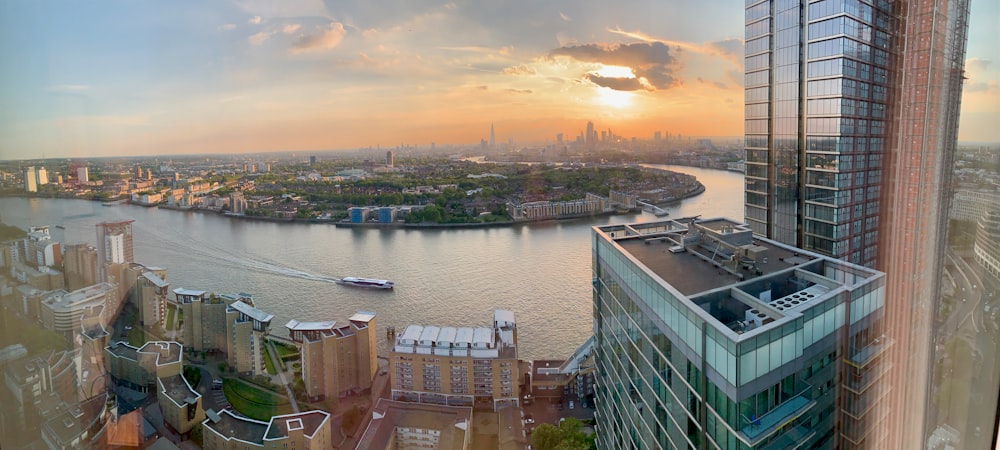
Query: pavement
[[283, 381]]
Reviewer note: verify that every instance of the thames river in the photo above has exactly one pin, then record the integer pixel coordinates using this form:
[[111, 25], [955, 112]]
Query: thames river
[[452, 277]]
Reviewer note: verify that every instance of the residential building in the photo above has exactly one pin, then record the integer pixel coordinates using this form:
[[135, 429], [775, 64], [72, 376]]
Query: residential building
[[42, 176], [82, 175], [457, 366], [80, 266], [62, 311], [707, 336], [44, 277], [225, 323], [79, 425], [396, 425], [30, 179], [138, 368], [851, 128], [336, 360], [38, 249], [32, 380], [237, 203], [307, 430], [150, 295], [114, 245], [180, 404]]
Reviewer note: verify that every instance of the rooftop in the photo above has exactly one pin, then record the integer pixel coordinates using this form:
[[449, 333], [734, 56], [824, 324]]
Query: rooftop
[[230, 426], [452, 422], [157, 281], [309, 422], [362, 316], [250, 311], [123, 350], [168, 351], [91, 294], [178, 390], [295, 325]]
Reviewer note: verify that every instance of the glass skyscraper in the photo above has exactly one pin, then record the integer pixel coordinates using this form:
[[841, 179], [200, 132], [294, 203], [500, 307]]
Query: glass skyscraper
[[707, 337], [851, 127]]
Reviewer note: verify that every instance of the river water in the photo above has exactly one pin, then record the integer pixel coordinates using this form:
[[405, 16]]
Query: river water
[[541, 271]]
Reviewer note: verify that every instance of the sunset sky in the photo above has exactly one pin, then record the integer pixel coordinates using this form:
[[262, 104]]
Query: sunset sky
[[81, 79]]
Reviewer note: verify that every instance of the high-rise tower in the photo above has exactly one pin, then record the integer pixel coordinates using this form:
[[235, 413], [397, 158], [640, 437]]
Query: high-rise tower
[[851, 127], [493, 137], [114, 245]]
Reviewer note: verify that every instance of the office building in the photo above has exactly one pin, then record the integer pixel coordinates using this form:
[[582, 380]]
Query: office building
[[970, 205], [850, 142], [397, 425], [987, 246], [306, 430], [336, 360], [30, 179], [114, 246], [225, 323], [80, 266], [457, 366], [710, 337]]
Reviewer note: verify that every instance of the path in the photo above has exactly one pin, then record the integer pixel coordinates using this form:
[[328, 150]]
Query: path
[[281, 376]]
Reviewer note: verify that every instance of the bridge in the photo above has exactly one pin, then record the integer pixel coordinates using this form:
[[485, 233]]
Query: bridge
[[656, 210]]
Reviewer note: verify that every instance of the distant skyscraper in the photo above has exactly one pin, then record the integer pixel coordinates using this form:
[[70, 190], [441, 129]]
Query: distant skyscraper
[[559, 138], [114, 245], [138, 171], [493, 137], [591, 136], [390, 159], [83, 174], [42, 176], [851, 127], [30, 179], [312, 160]]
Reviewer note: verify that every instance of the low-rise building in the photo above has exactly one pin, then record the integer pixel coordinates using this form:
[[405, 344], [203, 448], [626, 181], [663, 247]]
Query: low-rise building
[[457, 366], [397, 425], [138, 368], [336, 360], [307, 430]]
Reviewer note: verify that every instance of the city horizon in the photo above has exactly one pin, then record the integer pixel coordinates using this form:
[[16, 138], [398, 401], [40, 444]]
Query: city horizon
[[249, 78]]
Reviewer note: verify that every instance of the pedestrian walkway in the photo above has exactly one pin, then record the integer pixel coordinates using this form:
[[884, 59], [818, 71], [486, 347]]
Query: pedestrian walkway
[[281, 377]]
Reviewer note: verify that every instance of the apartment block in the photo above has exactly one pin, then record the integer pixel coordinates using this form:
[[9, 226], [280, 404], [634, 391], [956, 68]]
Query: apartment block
[[396, 425], [457, 366], [138, 368], [710, 337], [61, 311], [307, 430], [180, 404], [225, 323], [80, 266], [336, 360], [150, 295]]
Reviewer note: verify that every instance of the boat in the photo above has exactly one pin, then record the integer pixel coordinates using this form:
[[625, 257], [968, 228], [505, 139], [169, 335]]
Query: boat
[[661, 213], [60, 227], [365, 282]]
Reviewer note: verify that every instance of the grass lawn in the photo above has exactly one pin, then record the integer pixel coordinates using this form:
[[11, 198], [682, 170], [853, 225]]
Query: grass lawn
[[170, 318], [286, 351], [267, 361], [254, 402], [136, 337], [14, 330]]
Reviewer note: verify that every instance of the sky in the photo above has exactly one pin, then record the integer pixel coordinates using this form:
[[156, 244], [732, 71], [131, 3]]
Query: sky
[[83, 79]]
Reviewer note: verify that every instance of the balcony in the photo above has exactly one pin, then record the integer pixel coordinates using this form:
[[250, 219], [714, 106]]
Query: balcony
[[756, 429], [859, 383], [867, 354], [791, 439]]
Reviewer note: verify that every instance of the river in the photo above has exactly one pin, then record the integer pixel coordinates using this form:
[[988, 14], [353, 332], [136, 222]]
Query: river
[[451, 277]]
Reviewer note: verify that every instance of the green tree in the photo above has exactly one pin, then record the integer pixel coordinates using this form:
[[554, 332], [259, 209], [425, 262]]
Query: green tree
[[569, 435]]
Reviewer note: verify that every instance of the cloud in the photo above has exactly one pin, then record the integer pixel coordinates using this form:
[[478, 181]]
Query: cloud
[[563, 16], [981, 86], [258, 38], [255, 20], [290, 28], [520, 69], [728, 49], [619, 83], [227, 27], [323, 40], [652, 61], [976, 64], [518, 91]]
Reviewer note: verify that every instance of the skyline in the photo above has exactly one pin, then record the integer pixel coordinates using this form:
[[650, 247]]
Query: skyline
[[245, 76]]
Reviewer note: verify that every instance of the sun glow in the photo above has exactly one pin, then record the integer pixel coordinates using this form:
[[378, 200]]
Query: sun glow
[[616, 72], [615, 99]]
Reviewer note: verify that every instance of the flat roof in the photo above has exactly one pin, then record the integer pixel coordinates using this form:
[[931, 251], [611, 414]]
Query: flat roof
[[231, 426], [182, 291], [168, 352], [452, 422], [295, 325], [362, 316], [252, 312], [309, 422], [178, 390], [689, 273], [89, 294], [123, 350]]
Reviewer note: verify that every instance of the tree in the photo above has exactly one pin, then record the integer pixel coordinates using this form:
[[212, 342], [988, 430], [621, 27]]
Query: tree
[[569, 435]]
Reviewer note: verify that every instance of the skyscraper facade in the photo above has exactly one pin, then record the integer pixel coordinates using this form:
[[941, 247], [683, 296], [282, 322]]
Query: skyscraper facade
[[709, 337], [851, 126], [114, 245]]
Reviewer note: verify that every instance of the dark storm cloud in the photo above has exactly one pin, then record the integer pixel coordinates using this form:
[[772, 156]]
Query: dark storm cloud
[[650, 60]]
